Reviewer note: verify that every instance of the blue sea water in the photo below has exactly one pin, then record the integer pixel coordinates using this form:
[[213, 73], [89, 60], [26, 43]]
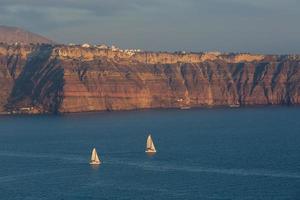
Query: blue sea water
[[222, 153]]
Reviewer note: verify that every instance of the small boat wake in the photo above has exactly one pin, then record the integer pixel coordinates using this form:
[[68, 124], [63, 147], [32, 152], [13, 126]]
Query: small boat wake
[[198, 169], [159, 166], [238, 172], [70, 157]]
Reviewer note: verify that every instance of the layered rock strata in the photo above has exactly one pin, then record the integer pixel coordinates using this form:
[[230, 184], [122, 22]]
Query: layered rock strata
[[59, 79]]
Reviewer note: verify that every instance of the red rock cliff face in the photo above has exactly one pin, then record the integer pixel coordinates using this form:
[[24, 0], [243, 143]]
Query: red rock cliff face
[[12, 60], [74, 79], [32, 80]]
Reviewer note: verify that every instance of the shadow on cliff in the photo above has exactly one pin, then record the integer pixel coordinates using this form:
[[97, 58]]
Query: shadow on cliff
[[39, 87]]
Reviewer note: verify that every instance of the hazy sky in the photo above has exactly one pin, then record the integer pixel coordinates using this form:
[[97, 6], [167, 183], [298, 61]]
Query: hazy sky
[[262, 26]]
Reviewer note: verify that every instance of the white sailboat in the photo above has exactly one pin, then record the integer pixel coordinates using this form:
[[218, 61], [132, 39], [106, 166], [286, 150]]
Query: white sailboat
[[94, 158], [150, 148]]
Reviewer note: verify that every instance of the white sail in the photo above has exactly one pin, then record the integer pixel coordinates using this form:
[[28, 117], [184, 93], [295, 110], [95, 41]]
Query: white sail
[[150, 145], [94, 158]]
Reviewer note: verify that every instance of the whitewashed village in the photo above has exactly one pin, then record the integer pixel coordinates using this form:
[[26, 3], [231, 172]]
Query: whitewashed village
[[112, 48]]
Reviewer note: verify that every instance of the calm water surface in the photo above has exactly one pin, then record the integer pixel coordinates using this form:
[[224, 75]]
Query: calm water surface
[[248, 153]]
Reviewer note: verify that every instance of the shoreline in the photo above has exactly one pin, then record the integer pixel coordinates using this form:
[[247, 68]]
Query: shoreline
[[147, 109]]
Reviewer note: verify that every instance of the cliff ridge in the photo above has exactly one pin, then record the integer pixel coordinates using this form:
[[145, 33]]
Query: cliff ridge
[[64, 78]]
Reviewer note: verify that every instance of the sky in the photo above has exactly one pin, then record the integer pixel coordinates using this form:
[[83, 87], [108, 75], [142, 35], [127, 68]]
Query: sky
[[255, 26]]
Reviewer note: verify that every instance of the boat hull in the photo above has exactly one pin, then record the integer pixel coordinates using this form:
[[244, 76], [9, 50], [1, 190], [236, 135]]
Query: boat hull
[[95, 163], [185, 108], [150, 151]]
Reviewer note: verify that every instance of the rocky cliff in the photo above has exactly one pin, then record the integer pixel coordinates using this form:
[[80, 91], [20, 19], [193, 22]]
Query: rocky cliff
[[54, 79]]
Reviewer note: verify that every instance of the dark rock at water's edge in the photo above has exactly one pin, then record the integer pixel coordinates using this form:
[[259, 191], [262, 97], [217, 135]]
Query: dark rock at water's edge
[[63, 79]]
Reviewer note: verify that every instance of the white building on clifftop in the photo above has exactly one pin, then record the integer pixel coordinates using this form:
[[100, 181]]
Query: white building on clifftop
[[86, 45]]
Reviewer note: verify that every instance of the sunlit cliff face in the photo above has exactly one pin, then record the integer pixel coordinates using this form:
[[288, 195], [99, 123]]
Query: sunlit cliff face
[[77, 52], [52, 79]]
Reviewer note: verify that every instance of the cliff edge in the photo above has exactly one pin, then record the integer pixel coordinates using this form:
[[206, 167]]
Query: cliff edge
[[61, 78]]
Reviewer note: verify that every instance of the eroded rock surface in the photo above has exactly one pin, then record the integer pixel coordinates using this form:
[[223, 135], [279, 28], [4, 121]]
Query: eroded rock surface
[[52, 79]]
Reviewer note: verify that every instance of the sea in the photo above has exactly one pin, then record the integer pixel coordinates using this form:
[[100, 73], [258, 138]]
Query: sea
[[212, 153]]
